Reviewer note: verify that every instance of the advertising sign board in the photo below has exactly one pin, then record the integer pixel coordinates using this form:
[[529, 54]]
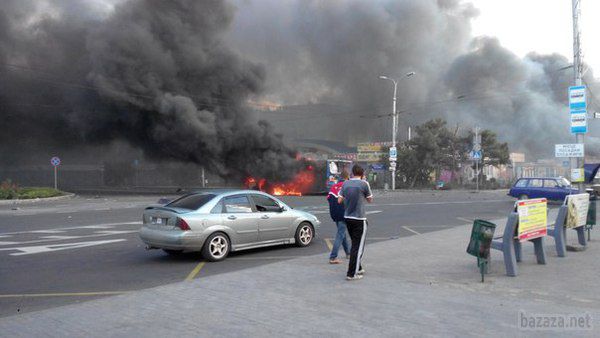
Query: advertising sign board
[[532, 218], [578, 208]]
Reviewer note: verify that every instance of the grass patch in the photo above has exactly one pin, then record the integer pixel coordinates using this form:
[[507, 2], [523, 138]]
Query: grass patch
[[10, 191], [27, 193]]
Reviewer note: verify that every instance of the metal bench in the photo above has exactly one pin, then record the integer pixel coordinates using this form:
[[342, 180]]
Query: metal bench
[[559, 232], [511, 246]]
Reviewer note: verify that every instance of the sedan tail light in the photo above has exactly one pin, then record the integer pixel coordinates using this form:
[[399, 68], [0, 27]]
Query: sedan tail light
[[181, 224]]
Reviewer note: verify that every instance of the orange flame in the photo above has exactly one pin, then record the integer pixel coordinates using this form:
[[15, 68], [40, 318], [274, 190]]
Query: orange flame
[[301, 184]]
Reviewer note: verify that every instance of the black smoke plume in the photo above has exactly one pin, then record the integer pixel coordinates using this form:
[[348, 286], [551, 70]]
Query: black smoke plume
[[154, 73]]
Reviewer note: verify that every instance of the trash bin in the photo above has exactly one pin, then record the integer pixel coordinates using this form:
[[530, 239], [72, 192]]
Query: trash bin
[[481, 241]]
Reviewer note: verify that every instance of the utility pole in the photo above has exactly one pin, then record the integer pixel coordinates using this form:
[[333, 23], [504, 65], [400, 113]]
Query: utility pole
[[477, 144], [577, 70], [393, 149]]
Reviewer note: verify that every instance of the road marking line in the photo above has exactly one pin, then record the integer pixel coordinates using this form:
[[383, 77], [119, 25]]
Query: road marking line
[[464, 219], [64, 294], [373, 212], [61, 238], [261, 257], [411, 230], [30, 250], [328, 242], [195, 271], [317, 212], [95, 226], [436, 203]]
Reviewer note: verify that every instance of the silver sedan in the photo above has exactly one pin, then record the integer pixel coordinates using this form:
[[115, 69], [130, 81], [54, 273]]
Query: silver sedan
[[216, 223]]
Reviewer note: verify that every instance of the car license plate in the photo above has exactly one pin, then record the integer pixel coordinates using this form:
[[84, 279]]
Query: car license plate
[[156, 220]]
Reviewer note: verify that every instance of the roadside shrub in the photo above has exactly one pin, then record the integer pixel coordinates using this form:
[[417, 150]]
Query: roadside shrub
[[8, 190], [28, 193]]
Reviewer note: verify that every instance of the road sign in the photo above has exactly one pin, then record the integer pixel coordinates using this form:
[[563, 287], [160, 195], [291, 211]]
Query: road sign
[[55, 161], [577, 175], [578, 121], [577, 99], [393, 165], [578, 109], [475, 155], [569, 150], [477, 147], [393, 154]]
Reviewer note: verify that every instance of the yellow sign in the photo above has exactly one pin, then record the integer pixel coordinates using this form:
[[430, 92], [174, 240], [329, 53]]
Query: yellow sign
[[370, 157], [532, 218], [578, 209], [369, 147], [577, 175]]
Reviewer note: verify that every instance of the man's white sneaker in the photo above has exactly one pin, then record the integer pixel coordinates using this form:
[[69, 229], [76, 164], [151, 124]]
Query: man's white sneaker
[[361, 272], [356, 277]]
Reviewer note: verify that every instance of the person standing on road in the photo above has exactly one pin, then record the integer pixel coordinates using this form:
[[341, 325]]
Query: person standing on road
[[354, 194], [336, 210]]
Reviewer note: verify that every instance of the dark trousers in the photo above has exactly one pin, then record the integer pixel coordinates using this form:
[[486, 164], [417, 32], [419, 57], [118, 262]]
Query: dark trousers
[[357, 229]]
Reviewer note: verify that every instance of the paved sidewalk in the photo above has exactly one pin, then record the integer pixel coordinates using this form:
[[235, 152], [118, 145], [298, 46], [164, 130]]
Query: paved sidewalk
[[424, 285]]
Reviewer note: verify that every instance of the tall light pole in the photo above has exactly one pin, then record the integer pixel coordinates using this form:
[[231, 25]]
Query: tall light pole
[[577, 70], [395, 120]]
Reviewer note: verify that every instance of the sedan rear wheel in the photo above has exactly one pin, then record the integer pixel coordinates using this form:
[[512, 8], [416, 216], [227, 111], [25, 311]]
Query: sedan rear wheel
[[304, 234], [216, 247]]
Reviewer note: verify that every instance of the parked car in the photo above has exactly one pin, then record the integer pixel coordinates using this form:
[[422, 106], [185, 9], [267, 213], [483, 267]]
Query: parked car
[[552, 188], [216, 223]]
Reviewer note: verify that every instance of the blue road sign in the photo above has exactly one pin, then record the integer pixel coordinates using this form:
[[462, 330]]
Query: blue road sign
[[55, 161], [475, 154]]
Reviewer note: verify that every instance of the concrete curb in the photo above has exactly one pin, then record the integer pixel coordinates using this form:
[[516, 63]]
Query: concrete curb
[[35, 200]]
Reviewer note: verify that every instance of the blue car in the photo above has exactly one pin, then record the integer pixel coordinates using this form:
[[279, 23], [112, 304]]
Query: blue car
[[552, 188]]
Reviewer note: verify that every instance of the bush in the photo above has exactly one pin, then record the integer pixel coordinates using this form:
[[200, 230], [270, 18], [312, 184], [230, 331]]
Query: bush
[[28, 193], [10, 190]]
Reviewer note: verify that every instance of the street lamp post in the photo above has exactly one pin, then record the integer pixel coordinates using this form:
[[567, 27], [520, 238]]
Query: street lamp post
[[395, 120]]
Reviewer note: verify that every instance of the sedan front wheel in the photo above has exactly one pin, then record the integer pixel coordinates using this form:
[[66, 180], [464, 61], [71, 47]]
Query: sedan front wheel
[[304, 234]]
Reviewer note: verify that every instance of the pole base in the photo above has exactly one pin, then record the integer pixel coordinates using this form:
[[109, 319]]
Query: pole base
[[575, 248]]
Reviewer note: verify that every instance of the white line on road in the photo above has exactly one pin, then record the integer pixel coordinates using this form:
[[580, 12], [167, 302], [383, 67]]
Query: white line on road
[[435, 203], [60, 238], [30, 250], [411, 230], [464, 219], [373, 212], [94, 226]]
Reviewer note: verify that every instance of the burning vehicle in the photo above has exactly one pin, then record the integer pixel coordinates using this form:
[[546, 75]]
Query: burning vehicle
[[316, 177]]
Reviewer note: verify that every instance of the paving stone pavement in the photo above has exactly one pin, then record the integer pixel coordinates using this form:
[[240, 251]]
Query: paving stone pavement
[[424, 285]]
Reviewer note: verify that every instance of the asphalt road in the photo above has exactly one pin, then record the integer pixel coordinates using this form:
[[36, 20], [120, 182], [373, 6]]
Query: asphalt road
[[61, 252]]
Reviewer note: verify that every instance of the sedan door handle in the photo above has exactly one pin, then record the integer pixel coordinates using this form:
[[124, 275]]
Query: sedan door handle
[[231, 217], [265, 217]]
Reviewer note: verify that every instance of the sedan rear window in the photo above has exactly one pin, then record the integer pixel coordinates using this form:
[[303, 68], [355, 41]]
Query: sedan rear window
[[191, 202]]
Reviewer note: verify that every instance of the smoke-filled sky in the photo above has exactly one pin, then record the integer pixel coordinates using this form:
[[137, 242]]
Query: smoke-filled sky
[[175, 78]]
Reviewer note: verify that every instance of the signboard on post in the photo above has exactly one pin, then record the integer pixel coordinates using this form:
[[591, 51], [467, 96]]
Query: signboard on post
[[475, 155], [578, 109], [532, 218], [55, 161], [393, 154], [577, 175], [569, 150], [577, 210]]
